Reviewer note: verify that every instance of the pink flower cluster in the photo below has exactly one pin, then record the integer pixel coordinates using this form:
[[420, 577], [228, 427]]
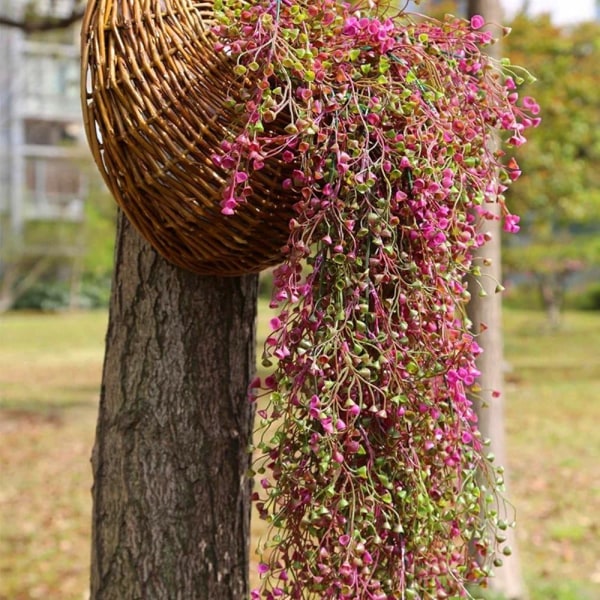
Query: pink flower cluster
[[370, 445]]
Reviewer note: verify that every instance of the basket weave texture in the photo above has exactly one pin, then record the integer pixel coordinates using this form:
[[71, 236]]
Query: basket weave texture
[[154, 96]]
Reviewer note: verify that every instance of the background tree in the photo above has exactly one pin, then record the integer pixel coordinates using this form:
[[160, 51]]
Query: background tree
[[559, 191], [35, 17], [485, 313]]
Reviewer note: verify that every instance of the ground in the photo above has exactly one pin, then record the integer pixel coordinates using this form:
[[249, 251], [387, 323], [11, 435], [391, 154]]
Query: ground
[[50, 368]]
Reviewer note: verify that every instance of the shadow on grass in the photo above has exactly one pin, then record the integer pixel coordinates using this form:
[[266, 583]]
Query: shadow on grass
[[38, 411]]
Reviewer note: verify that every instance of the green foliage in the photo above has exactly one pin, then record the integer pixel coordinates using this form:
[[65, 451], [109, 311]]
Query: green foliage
[[56, 237], [566, 590], [100, 223], [558, 194], [54, 294], [561, 163], [523, 296], [586, 299], [38, 264], [265, 284], [46, 296], [553, 252]]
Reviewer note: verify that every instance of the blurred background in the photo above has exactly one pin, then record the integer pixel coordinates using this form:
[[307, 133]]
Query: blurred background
[[56, 250]]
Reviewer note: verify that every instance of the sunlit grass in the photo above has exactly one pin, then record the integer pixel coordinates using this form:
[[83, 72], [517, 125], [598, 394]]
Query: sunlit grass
[[553, 407], [50, 368]]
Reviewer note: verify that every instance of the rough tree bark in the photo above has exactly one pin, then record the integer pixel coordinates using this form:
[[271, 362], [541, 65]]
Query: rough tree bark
[[171, 495], [487, 310]]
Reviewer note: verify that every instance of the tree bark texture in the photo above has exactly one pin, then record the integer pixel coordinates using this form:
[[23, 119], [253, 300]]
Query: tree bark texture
[[171, 497], [487, 310]]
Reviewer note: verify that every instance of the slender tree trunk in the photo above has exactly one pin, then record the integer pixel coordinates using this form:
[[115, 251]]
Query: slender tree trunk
[[171, 494], [487, 310], [551, 294]]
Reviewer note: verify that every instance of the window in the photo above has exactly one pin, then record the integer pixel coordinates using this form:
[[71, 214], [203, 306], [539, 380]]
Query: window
[[53, 189], [53, 133]]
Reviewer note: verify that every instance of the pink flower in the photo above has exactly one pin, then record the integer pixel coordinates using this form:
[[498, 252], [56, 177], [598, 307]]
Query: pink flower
[[287, 156], [374, 27], [350, 26], [352, 446], [327, 425], [240, 177], [531, 105], [373, 119], [282, 352], [511, 223], [517, 140], [354, 409], [477, 22], [228, 207]]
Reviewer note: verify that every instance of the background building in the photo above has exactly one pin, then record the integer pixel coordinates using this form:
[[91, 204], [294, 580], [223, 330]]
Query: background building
[[42, 157]]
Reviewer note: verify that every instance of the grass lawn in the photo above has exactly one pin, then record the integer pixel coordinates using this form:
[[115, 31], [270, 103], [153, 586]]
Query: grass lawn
[[50, 367]]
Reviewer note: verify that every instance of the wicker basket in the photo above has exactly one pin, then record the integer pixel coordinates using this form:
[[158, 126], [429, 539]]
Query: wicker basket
[[154, 103]]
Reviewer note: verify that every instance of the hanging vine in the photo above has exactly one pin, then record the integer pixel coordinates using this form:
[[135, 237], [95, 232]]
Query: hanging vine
[[370, 462]]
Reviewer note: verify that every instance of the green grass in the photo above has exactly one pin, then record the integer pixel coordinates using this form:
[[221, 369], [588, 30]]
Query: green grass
[[50, 367], [553, 409]]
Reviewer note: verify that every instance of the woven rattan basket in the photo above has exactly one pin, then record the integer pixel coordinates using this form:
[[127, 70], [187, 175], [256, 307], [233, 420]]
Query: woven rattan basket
[[154, 102]]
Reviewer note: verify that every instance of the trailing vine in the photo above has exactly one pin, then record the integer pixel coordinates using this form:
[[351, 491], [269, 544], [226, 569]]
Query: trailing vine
[[374, 477]]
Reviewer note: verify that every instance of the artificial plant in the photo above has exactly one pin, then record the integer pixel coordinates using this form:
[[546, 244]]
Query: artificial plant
[[374, 477]]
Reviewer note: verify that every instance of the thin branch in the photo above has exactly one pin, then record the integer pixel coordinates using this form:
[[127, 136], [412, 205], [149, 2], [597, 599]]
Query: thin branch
[[34, 24]]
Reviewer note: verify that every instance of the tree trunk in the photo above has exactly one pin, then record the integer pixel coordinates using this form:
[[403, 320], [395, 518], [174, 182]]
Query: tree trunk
[[171, 493], [551, 292], [487, 309]]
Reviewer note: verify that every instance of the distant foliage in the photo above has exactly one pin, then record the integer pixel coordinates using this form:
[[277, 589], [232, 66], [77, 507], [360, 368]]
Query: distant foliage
[[54, 295], [561, 165], [558, 195]]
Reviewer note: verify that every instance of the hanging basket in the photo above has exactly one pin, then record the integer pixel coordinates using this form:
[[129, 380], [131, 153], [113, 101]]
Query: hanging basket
[[154, 96]]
